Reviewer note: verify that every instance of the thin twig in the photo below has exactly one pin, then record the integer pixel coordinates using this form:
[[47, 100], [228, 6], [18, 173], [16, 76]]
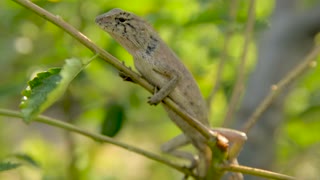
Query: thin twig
[[237, 91], [307, 63], [205, 131], [100, 138], [257, 172], [224, 53]]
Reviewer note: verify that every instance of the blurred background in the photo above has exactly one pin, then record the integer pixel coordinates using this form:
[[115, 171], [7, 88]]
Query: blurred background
[[98, 99]]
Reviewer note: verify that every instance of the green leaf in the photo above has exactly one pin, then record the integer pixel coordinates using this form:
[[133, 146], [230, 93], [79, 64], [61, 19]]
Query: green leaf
[[26, 158], [113, 120], [47, 87], [5, 166], [15, 160]]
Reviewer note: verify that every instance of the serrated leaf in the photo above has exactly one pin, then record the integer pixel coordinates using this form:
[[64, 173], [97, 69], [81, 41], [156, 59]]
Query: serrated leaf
[[47, 87], [5, 166], [113, 120], [36, 94]]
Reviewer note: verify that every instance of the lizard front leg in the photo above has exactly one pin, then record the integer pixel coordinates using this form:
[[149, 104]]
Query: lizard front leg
[[174, 77]]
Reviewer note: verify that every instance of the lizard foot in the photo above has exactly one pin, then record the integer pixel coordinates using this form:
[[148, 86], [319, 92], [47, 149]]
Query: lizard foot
[[154, 100]]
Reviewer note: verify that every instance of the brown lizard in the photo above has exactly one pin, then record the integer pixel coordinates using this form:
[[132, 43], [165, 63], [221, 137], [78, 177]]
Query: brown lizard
[[159, 65]]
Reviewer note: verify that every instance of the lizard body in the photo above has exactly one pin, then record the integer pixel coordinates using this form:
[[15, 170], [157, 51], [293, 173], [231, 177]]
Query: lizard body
[[159, 65]]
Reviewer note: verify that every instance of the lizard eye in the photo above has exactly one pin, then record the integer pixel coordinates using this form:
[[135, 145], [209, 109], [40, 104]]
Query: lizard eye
[[122, 19]]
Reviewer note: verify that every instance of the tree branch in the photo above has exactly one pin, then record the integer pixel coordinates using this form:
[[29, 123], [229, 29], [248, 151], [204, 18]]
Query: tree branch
[[104, 139], [256, 172], [205, 131], [100, 138]]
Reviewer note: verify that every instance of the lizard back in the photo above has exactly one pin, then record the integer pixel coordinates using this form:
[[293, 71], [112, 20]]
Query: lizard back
[[150, 54], [149, 50]]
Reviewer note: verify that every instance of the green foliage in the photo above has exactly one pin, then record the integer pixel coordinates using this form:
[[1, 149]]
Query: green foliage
[[113, 121], [16, 160], [5, 166], [306, 120], [47, 87], [35, 97], [26, 159], [195, 30]]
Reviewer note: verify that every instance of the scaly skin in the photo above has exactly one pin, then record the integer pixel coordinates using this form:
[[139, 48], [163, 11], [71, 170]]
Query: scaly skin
[[157, 63]]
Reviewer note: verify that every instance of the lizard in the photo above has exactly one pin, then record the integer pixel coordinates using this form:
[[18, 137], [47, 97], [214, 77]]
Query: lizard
[[161, 67]]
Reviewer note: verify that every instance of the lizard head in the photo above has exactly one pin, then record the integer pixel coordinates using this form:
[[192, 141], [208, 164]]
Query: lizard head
[[132, 32]]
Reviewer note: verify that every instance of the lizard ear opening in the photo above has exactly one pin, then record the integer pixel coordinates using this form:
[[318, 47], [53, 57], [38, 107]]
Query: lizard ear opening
[[122, 19]]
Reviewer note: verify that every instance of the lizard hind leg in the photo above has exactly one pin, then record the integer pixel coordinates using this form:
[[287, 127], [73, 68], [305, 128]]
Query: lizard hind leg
[[172, 145]]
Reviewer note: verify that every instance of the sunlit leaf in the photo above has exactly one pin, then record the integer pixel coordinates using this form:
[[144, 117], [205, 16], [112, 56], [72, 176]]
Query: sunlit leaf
[[47, 87]]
